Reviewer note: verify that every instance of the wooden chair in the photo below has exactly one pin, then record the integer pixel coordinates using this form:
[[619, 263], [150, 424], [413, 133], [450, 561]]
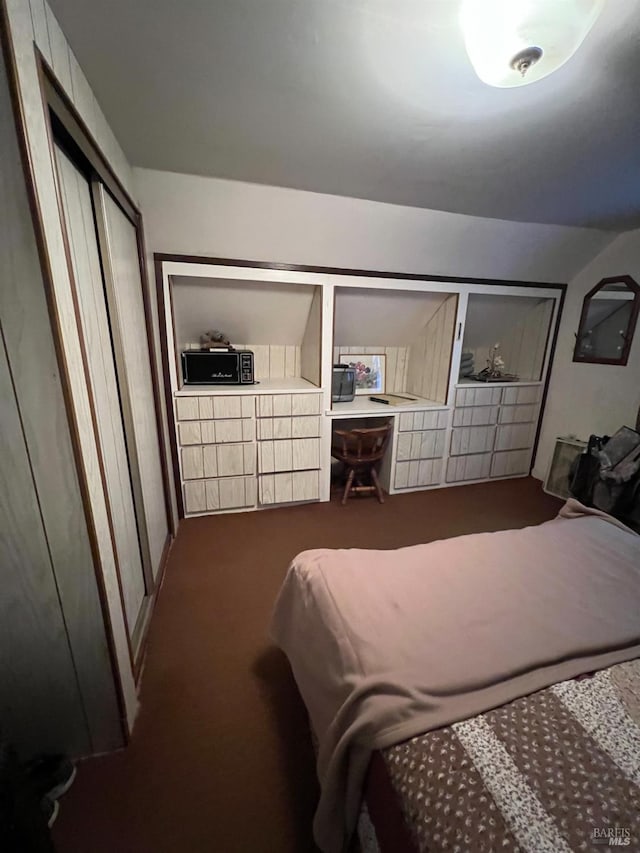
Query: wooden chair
[[360, 450]]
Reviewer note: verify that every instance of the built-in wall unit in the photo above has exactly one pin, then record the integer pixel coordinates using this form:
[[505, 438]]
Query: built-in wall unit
[[241, 447]]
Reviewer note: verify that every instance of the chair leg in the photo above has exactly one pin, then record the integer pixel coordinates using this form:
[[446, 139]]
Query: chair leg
[[376, 483], [347, 488]]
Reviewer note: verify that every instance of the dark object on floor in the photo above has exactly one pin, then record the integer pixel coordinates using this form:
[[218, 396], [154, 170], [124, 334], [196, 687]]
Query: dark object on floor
[[51, 775], [23, 823], [607, 475], [360, 450]]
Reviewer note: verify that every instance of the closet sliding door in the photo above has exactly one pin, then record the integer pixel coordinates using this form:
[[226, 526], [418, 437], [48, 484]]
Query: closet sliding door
[[97, 334], [121, 263]]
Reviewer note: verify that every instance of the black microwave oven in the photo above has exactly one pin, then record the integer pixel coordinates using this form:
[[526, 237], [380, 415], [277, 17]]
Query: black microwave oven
[[218, 367]]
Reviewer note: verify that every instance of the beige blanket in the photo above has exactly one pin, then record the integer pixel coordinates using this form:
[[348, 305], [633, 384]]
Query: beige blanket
[[385, 645]]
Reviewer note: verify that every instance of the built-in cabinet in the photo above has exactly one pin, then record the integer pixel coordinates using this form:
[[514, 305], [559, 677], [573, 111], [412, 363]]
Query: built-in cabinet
[[240, 448]]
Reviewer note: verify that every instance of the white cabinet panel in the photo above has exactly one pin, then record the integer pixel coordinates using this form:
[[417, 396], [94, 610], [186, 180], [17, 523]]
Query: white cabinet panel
[[474, 396], [521, 394], [472, 439], [289, 487], [474, 467], [427, 444], [475, 416], [305, 404], [515, 436], [285, 405], [195, 499], [296, 427], [192, 462], [189, 433], [187, 409], [520, 414], [511, 462], [228, 493], [423, 420], [288, 455], [425, 472]]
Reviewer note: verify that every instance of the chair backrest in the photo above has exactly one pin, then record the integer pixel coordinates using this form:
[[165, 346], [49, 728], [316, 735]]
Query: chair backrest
[[362, 445]]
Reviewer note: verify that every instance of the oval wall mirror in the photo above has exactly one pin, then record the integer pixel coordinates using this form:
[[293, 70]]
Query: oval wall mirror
[[607, 322]]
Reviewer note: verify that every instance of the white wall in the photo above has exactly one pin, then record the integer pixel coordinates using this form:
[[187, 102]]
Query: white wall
[[591, 398], [186, 214]]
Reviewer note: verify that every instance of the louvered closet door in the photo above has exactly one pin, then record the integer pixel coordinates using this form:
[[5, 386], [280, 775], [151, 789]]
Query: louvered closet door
[[95, 328], [126, 308]]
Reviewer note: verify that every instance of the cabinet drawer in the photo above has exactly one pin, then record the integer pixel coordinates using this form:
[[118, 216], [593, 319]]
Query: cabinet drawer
[[284, 405], [515, 436], [427, 444], [521, 394], [218, 460], [289, 487], [474, 467], [424, 472], [518, 414], [205, 408], [510, 462], [227, 493], [475, 416], [294, 454], [422, 420], [302, 426], [475, 439], [216, 432], [474, 396]]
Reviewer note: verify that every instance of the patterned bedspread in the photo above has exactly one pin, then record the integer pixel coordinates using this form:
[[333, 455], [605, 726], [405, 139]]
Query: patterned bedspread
[[555, 771]]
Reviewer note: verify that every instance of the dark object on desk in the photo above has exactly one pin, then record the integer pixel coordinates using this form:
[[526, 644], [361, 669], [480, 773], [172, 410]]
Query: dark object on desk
[[360, 450], [214, 340], [343, 383], [488, 377], [219, 367], [393, 399]]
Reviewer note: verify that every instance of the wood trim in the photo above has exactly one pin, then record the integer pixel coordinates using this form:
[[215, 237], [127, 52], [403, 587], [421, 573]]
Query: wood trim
[[624, 355], [58, 101], [547, 379], [445, 279], [56, 330], [85, 363], [155, 364], [149, 608], [168, 391]]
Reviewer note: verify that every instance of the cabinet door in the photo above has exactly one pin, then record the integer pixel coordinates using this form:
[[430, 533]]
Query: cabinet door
[[515, 436], [423, 420], [192, 462], [427, 444], [289, 487], [475, 416], [195, 499], [424, 472], [474, 467], [520, 414], [511, 462], [187, 409], [521, 394], [472, 439], [475, 396]]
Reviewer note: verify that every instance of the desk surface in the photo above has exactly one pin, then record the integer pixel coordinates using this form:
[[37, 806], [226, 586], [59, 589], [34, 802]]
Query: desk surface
[[362, 406]]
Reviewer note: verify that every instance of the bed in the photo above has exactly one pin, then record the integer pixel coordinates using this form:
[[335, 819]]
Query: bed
[[478, 693]]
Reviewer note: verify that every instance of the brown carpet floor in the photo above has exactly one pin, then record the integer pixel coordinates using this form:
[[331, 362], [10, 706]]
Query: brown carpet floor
[[220, 758]]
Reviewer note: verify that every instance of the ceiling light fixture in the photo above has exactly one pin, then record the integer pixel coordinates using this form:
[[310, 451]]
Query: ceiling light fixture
[[516, 42]]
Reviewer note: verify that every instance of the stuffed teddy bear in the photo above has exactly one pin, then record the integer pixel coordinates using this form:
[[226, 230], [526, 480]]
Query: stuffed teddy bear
[[213, 339]]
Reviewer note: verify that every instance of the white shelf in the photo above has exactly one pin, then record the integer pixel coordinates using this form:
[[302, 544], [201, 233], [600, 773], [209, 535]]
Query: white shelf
[[462, 383], [362, 405], [280, 385]]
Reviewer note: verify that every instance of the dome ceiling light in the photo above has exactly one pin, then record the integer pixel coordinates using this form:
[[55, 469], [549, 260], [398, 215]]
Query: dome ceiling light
[[516, 42]]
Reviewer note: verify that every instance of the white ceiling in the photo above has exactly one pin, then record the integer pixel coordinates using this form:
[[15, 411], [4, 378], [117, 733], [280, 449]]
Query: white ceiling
[[367, 98]]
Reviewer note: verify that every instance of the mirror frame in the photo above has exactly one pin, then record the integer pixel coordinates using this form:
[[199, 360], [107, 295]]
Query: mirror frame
[[628, 338]]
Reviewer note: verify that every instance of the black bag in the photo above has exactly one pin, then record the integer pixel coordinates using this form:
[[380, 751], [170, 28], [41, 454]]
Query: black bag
[[585, 471]]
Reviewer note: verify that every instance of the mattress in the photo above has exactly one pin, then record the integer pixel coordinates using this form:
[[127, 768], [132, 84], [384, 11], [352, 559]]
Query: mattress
[[387, 646], [557, 771]]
